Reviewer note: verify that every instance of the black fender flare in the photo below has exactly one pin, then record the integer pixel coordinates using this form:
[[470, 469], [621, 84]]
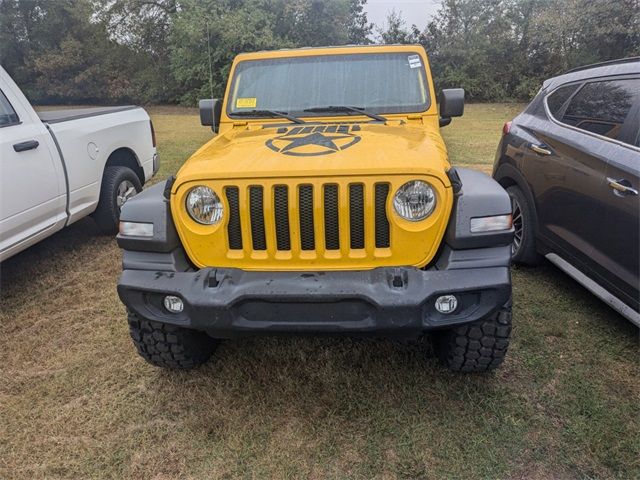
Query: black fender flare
[[150, 206], [478, 195]]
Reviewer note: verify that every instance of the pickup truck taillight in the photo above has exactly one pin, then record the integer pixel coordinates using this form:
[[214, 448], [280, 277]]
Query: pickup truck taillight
[[506, 128], [153, 134]]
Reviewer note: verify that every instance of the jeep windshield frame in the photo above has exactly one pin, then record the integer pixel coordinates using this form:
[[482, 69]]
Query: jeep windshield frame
[[378, 82]]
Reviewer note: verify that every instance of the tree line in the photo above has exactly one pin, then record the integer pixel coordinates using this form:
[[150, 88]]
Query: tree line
[[176, 51]]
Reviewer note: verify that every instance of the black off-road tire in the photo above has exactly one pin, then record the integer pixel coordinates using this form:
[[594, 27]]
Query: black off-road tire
[[523, 250], [168, 346], [107, 214], [476, 347]]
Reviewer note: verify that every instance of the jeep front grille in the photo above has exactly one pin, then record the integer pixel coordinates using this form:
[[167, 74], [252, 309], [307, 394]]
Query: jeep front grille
[[331, 218]]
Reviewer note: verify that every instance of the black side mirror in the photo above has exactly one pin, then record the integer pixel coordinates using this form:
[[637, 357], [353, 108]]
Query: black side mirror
[[451, 102], [210, 112]]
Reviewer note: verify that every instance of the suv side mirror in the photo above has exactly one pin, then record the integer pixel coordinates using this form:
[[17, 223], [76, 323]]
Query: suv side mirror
[[451, 102], [210, 111]]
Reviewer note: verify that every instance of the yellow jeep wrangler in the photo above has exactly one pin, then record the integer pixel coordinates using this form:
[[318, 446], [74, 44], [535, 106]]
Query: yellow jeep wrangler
[[326, 203]]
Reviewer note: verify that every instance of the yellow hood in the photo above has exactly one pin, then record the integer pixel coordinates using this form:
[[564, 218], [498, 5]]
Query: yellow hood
[[332, 149]]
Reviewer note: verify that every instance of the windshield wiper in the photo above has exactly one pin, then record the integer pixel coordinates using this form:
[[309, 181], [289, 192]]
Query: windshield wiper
[[346, 109], [268, 113]]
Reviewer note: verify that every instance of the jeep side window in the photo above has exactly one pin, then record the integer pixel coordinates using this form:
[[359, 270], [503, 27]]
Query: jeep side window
[[602, 107], [557, 100], [8, 115]]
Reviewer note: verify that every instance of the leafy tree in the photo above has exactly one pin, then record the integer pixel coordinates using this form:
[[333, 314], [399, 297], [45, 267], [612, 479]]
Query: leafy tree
[[216, 30], [358, 26], [57, 54], [503, 49], [396, 30], [179, 50], [144, 26]]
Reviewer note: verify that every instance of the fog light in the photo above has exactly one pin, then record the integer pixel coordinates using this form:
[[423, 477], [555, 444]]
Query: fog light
[[173, 304], [446, 303]]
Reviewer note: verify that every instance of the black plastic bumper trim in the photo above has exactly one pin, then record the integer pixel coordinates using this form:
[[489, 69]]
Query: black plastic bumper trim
[[232, 302]]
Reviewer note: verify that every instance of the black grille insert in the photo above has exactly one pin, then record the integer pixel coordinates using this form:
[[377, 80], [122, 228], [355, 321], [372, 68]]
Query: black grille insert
[[234, 232], [356, 213], [307, 236], [256, 212], [330, 215], [382, 222], [331, 218], [281, 210]]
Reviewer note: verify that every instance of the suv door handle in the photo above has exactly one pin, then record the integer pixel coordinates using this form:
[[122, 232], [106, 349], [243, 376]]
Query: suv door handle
[[28, 145], [622, 187], [540, 149]]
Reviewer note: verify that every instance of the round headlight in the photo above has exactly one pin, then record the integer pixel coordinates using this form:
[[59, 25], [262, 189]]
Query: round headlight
[[414, 201], [204, 206]]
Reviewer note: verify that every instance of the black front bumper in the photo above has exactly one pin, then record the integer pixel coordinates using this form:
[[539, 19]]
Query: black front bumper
[[230, 302]]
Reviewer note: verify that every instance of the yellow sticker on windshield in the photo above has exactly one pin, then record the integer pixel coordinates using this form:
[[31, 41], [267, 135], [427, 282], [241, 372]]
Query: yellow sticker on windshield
[[246, 102]]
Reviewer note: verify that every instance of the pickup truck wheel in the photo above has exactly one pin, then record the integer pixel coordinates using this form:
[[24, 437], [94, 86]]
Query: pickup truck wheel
[[119, 184], [523, 248], [168, 346], [479, 346]]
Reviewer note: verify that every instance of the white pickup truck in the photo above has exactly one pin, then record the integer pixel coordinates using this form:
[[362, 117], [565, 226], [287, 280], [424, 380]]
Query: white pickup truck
[[57, 167]]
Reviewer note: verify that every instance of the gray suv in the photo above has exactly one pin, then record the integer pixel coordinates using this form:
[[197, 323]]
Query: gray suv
[[571, 165]]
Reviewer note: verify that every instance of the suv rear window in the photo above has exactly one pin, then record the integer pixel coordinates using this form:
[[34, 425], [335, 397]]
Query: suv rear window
[[556, 101], [602, 107]]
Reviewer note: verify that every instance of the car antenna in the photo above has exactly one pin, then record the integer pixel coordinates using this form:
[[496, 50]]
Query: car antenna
[[210, 65]]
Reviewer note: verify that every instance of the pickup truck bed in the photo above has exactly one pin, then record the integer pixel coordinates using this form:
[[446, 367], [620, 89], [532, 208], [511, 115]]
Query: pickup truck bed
[[65, 115]]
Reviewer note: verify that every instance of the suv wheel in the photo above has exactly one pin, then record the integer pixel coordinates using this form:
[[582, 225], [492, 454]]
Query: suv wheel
[[119, 184], [479, 346], [168, 346], [523, 248]]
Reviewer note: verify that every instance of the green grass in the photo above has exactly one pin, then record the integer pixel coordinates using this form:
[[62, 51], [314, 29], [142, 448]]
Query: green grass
[[472, 139], [77, 402]]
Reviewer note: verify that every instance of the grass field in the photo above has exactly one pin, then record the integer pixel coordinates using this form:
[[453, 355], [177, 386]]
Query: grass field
[[77, 402]]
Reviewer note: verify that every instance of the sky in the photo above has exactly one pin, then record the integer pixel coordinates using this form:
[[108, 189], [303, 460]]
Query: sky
[[413, 11]]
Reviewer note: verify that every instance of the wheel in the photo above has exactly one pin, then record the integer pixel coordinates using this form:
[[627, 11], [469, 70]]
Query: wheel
[[119, 184], [523, 248], [168, 346], [479, 346]]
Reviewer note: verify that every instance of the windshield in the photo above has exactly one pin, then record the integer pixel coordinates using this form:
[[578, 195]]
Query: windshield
[[377, 82]]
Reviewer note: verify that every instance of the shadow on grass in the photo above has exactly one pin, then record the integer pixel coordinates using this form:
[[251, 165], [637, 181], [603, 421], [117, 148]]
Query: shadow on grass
[[547, 290], [54, 257]]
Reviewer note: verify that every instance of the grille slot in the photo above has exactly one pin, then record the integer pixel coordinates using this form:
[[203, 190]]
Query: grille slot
[[234, 232], [356, 214], [331, 218], [381, 220], [256, 212], [281, 210], [307, 236]]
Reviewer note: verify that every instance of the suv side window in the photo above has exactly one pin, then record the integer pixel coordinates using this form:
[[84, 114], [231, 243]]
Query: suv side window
[[602, 107], [556, 101], [8, 115]]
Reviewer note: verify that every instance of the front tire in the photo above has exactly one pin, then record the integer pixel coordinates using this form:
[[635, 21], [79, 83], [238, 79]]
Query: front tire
[[119, 184], [479, 346], [168, 346], [523, 248]]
